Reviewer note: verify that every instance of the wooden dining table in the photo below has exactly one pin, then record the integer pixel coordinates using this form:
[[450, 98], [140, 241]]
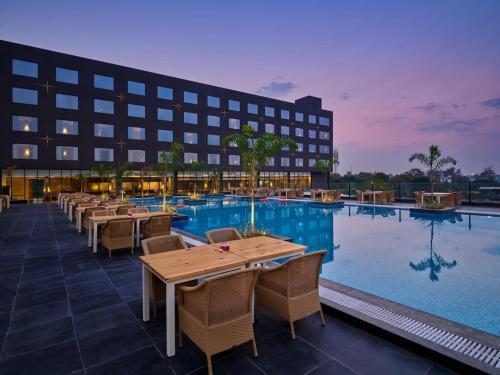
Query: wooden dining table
[[438, 196], [179, 266], [374, 193]]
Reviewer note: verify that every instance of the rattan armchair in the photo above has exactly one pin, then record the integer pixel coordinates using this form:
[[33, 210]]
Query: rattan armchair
[[457, 198], [291, 194], [223, 235], [157, 226], [217, 314], [419, 198], [123, 210], [88, 213], [118, 234], [299, 193], [139, 210], [291, 290]]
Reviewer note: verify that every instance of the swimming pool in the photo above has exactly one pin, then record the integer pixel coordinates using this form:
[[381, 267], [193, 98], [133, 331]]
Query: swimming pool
[[446, 265]]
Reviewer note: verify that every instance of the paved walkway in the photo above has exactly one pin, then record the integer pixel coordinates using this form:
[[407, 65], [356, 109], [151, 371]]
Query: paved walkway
[[64, 310]]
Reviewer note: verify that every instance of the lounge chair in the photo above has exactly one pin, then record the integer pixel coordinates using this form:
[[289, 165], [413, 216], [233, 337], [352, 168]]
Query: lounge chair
[[217, 314], [291, 290], [118, 234], [157, 226], [123, 210], [223, 235]]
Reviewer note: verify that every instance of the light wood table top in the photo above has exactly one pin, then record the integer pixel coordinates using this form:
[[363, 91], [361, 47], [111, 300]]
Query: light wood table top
[[144, 215]]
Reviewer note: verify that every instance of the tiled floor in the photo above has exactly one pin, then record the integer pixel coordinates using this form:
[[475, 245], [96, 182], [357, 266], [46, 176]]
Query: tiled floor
[[64, 310]]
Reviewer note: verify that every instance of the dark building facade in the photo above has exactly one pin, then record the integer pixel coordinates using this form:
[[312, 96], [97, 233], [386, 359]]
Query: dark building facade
[[64, 114]]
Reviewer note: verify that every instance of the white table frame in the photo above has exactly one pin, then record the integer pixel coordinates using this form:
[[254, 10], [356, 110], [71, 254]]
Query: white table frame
[[437, 195]]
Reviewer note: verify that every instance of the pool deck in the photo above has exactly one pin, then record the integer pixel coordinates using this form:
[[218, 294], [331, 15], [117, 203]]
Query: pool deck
[[64, 310]]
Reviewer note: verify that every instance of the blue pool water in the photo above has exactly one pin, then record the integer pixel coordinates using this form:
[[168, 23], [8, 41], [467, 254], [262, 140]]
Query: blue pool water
[[448, 266]]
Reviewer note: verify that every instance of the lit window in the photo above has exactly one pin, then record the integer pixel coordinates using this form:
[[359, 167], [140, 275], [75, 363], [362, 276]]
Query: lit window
[[213, 101], [299, 162], [104, 106], [285, 148], [285, 114], [135, 110], [253, 108], [324, 135], [66, 127], [299, 116], [269, 111], [234, 123], [189, 157], [104, 154], [213, 121], [190, 97], [24, 96], [165, 114], [24, 68], [234, 159], [67, 76], [66, 153], [136, 156], [190, 138], [285, 130], [22, 151], [270, 162], [254, 125], [67, 101], [25, 124], [299, 132], [213, 140], [190, 118], [312, 134], [213, 159], [165, 93], [165, 135], [300, 147], [232, 144], [103, 82], [137, 88], [269, 128], [312, 163], [136, 133], [234, 105], [312, 148], [285, 162], [324, 121], [104, 130], [324, 149], [312, 119]]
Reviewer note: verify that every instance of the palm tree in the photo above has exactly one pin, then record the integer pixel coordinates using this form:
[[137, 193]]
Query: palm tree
[[103, 171], [196, 166], [10, 171], [433, 162], [80, 178], [169, 162], [213, 174], [120, 171], [255, 153], [325, 167]]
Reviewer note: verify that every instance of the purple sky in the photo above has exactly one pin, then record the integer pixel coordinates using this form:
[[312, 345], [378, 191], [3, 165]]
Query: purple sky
[[398, 75]]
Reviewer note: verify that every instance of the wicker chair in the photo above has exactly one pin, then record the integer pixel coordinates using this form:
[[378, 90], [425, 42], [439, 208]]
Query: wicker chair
[[217, 314], [118, 234], [157, 226], [291, 194], [223, 235], [88, 213], [123, 210], [291, 290], [299, 193], [390, 196], [139, 210], [419, 195], [448, 200], [156, 245], [457, 198], [81, 205], [359, 196], [381, 198]]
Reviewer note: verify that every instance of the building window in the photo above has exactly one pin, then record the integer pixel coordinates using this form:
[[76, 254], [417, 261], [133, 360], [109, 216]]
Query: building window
[[189, 157], [234, 105], [165, 135], [232, 144], [269, 111], [325, 121], [165, 114], [67, 101], [135, 110], [285, 148], [213, 159], [299, 117], [299, 162], [22, 151], [24, 96], [213, 121], [104, 106], [312, 163], [24, 68], [67, 127], [285, 130], [324, 149], [312, 134], [270, 162], [285, 162], [25, 124], [234, 159], [285, 114], [254, 125], [136, 156], [137, 88], [299, 132], [104, 82], [324, 135], [234, 123], [165, 93], [190, 97], [213, 140], [213, 101], [136, 133], [312, 119], [104, 154], [190, 118], [300, 147], [104, 130], [66, 153], [67, 76], [253, 108], [312, 148], [269, 128], [190, 138]]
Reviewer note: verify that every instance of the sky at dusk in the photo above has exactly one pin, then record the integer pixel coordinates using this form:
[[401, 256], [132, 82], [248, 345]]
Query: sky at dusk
[[398, 75]]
